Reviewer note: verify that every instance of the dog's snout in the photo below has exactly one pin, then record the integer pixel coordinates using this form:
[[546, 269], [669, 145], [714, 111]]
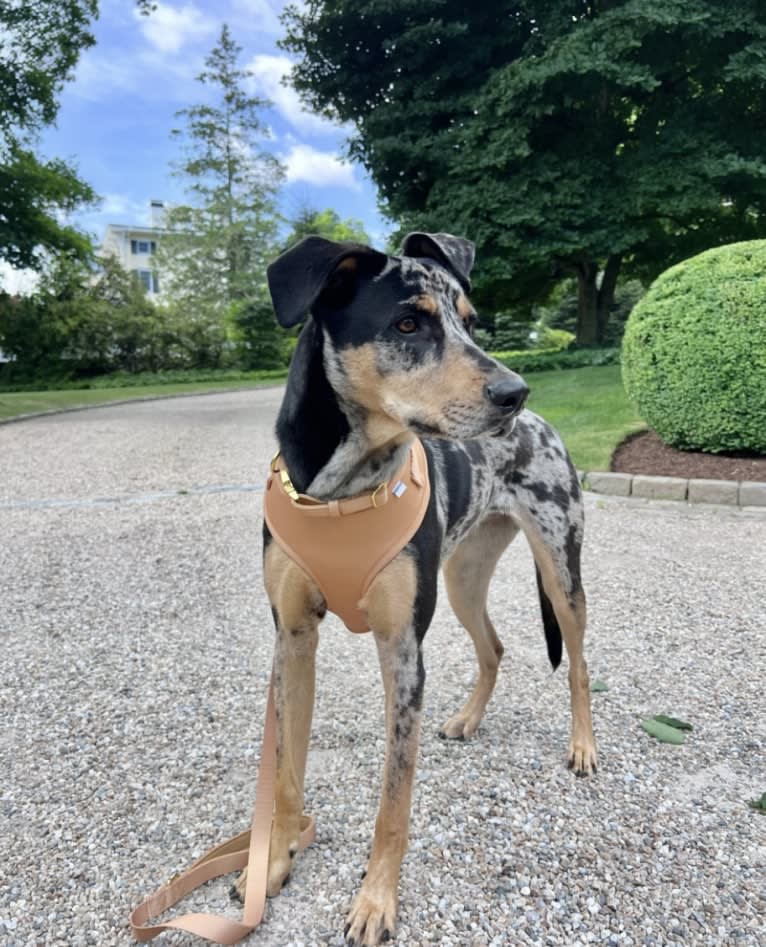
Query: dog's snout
[[508, 394]]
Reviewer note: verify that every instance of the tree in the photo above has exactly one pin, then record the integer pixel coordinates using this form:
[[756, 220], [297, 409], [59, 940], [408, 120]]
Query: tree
[[40, 44], [219, 244], [82, 323], [579, 138], [327, 224]]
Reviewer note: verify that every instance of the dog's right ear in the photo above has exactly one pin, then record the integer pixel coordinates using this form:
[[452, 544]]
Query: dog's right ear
[[316, 267]]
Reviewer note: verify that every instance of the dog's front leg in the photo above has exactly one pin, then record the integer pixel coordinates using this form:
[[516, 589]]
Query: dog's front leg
[[389, 605], [297, 606]]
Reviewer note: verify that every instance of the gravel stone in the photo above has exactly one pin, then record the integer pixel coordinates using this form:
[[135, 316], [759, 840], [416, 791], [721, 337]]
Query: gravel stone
[[134, 668]]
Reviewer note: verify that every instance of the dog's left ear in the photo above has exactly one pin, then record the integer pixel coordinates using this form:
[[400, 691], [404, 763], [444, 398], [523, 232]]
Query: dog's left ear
[[456, 253], [315, 266]]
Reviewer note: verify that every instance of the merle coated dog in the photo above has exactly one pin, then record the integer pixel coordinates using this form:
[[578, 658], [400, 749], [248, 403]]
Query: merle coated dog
[[387, 352]]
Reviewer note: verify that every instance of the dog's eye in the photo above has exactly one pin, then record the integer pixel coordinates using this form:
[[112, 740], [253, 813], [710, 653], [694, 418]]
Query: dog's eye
[[407, 325]]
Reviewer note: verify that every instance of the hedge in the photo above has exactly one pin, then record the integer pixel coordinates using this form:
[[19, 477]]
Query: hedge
[[525, 362], [694, 351]]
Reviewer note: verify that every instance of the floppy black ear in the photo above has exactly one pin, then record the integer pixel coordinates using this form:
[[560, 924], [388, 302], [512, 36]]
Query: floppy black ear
[[298, 276], [456, 253]]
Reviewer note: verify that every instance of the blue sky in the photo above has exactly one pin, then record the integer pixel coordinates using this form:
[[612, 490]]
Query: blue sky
[[117, 114]]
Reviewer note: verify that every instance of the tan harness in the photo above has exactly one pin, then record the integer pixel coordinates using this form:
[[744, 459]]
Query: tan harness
[[342, 545]]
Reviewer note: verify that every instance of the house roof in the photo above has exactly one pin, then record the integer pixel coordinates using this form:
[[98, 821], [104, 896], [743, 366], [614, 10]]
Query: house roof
[[136, 228]]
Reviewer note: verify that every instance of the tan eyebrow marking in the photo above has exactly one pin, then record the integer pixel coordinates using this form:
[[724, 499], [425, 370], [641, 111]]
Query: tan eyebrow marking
[[425, 302], [464, 309]]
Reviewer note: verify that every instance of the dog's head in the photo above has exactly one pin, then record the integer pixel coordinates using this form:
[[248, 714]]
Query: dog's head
[[397, 332]]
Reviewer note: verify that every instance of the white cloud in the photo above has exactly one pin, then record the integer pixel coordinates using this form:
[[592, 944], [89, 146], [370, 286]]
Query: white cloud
[[268, 73], [322, 168], [17, 282], [169, 28], [121, 209], [258, 15], [145, 74]]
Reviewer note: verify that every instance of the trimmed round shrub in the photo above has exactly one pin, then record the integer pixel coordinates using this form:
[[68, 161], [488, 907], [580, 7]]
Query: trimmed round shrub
[[694, 351]]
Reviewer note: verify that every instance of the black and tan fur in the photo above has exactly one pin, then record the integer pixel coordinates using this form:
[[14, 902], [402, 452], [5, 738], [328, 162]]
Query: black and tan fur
[[387, 351]]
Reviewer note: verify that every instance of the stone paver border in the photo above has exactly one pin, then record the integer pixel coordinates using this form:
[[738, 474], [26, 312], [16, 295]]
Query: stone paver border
[[721, 492]]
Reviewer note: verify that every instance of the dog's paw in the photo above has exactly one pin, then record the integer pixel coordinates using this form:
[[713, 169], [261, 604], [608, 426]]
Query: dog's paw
[[237, 890], [282, 853], [583, 760], [371, 920], [460, 727]]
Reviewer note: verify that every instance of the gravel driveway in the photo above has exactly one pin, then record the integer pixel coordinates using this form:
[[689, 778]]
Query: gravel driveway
[[136, 646]]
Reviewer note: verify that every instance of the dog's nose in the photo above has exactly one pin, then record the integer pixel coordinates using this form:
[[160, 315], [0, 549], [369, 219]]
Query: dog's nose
[[508, 394]]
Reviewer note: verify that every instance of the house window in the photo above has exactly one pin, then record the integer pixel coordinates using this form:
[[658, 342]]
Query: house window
[[143, 246], [146, 279], [155, 283]]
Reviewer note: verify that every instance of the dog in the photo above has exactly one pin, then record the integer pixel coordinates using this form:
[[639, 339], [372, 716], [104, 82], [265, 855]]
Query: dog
[[386, 352]]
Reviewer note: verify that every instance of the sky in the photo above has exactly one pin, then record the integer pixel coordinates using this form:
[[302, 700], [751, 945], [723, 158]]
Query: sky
[[116, 116]]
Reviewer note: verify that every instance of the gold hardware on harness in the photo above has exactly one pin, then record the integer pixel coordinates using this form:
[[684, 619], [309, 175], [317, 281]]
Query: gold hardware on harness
[[287, 483], [375, 492]]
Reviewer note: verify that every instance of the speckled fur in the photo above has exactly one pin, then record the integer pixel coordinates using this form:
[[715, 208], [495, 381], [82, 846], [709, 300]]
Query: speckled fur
[[361, 383]]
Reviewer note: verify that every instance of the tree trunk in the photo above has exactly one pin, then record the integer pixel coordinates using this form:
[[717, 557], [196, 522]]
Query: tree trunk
[[595, 298], [587, 305]]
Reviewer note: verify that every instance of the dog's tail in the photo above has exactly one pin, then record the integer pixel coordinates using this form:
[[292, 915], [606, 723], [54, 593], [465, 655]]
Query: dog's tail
[[550, 624]]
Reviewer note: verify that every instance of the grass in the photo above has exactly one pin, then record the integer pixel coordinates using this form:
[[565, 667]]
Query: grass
[[590, 409], [29, 402], [587, 405]]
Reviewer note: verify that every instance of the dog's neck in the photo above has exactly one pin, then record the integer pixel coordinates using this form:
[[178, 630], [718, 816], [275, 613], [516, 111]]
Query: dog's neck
[[332, 450]]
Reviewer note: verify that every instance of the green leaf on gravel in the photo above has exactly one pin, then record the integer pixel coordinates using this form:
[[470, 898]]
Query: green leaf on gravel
[[759, 804], [598, 686], [673, 722], [662, 732]]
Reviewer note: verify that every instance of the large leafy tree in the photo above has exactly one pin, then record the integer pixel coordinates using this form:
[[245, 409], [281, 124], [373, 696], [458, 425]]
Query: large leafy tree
[[325, 223], [80, 323], [573, 138], [40, 43], [215, 254]]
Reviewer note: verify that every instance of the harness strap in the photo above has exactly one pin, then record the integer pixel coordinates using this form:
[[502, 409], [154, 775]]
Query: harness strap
[[379, 497], [250, 848]]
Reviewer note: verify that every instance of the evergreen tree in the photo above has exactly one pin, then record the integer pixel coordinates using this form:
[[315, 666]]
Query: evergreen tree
[[214, 257]]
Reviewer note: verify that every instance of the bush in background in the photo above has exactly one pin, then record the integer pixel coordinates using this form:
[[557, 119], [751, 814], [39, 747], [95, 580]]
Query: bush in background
[[694, 352], [525, 362]]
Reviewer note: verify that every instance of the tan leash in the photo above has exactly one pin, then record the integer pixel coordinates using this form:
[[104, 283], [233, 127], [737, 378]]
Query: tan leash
[[249, 848]]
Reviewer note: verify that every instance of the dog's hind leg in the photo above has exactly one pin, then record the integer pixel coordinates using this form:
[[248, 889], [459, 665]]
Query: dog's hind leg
[[467, 574], [390, 607], [556, 549], [297, 606]]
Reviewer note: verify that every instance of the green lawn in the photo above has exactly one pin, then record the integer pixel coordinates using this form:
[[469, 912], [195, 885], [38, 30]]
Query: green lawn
[[28, 402], [589, 408], [587, 405]]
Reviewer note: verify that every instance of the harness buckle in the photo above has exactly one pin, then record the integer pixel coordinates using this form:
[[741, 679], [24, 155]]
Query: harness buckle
[[273, 463], [288, 485], [375, 492]]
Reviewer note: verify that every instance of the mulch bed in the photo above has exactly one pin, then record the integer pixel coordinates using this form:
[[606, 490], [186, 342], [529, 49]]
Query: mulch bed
[[645, 453]]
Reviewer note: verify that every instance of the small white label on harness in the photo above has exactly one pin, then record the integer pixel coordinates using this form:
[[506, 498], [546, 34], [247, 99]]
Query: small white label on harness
[[398, 488]]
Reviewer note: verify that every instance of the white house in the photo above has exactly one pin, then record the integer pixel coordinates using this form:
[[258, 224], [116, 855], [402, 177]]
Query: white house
[[135, 246]]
